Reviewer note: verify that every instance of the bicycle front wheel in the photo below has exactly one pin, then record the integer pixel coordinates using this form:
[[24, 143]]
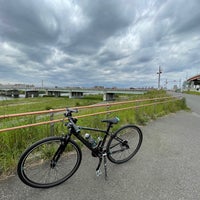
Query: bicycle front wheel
[[38, 167], [124, 144]]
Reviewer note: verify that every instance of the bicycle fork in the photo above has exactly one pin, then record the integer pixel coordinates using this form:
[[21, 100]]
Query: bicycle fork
[[58, 153]]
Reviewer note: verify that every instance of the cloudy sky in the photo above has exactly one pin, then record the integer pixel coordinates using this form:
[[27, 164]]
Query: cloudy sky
[[99, 42]]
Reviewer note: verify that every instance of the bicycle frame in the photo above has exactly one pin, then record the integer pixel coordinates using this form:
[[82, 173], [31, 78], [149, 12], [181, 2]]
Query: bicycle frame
[[84, 141], [98, 151]]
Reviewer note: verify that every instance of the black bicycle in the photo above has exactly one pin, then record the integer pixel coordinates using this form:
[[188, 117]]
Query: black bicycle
[[53, 160]]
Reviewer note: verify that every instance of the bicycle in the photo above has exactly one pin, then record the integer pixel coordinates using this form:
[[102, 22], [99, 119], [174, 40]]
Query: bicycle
[[53, 160]]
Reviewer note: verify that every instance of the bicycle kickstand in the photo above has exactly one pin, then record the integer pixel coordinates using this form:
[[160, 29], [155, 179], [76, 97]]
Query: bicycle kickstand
[[105, 165], [98, 171]]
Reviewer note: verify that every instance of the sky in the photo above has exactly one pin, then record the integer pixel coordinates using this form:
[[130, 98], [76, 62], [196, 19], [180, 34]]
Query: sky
[[110, 43]]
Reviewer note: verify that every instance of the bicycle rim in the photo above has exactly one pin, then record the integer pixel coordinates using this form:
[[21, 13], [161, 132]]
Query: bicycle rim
[[35, 166]]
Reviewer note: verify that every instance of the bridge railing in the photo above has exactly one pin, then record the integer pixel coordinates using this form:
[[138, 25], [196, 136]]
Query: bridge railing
[[107, 110]]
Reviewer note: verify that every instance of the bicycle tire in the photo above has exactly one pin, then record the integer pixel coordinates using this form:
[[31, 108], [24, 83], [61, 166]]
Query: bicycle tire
[[35, 168], [124, 144]]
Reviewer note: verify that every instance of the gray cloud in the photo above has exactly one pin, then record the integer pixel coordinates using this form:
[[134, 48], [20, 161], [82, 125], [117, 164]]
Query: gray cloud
[[89, 43], [29, 22]]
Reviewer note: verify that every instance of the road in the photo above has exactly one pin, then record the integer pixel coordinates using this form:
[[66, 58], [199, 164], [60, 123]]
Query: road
[[166, 167], [193, 102]]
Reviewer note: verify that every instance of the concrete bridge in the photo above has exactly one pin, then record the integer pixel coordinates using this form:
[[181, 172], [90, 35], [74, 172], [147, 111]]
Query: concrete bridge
[[108, 94], [10, 93]]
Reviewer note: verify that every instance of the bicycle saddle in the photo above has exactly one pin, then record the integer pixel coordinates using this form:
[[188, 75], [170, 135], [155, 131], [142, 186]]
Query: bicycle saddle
[[111, 121]]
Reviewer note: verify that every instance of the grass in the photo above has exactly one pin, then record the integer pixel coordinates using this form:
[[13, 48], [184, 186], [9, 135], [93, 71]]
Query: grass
[[13, 143], [192, 92], [36, 104]]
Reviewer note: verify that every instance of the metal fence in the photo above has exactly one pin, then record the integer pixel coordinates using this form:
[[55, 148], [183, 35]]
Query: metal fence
[[107, 110]]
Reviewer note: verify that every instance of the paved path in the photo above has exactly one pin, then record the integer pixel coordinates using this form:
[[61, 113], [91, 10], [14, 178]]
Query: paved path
[[167, 167]]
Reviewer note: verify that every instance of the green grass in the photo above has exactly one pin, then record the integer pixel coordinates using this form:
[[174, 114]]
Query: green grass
[[13, 143], [21, 105], [192, 92]]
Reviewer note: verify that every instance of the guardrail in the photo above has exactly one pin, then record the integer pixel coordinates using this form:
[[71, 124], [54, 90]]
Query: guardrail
[[156, 101]]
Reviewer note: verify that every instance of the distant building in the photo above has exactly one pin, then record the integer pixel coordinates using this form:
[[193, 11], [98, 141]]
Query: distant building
[[99, 87], [175, 87], [192, 83], [16, 86]]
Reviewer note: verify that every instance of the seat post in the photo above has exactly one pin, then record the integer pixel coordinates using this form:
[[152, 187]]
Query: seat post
[[108, 127]]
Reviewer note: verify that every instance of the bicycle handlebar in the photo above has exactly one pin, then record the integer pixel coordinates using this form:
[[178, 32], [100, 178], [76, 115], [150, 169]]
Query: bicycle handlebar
[[70, 111], [72, 121]]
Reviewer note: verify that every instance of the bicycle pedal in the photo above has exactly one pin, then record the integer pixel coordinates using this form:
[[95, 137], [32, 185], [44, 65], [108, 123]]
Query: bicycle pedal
[[98, 172]]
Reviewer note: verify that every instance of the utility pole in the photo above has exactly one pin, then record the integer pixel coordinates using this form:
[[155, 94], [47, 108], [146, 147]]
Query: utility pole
[[159, 72], [166, 82], [180, 86]]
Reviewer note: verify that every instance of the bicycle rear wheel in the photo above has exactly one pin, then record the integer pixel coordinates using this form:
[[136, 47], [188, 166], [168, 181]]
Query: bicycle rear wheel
[[38, 168], [124, 144]]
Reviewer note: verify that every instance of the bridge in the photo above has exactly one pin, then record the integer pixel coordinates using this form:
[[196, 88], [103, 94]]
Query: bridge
[[108, 93], [9, 92]]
